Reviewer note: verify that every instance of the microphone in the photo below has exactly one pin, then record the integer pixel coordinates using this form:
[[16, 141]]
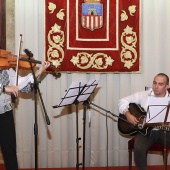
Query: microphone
[[28, 52]]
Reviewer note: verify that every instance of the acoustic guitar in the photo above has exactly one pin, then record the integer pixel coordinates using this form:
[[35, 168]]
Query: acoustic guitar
[[127, 128]]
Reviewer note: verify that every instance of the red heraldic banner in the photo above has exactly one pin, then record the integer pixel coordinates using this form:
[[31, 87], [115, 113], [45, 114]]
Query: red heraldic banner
[[93, 35]]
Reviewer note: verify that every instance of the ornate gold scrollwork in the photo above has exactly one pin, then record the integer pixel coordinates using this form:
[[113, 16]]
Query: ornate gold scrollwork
[[85, 60], [55, 52], [128, 53], [124, 16], [132, 9], [51, 7], [60, 15]]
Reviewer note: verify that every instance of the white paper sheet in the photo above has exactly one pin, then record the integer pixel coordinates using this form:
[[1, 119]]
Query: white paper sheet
[[157, 109], [79, 91]]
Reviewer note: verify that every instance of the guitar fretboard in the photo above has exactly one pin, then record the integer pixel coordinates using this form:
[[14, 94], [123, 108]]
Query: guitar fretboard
[[163, 127]]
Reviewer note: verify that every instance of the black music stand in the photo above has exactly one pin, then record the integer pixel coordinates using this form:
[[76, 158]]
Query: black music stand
[[76, 93], [158, 116]]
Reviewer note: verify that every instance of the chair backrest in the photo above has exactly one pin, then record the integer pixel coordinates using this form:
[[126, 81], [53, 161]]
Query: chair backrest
[[147, 88]]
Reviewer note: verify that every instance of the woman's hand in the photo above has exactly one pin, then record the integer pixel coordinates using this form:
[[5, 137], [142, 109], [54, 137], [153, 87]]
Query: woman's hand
[[44, 66], [12, 89]]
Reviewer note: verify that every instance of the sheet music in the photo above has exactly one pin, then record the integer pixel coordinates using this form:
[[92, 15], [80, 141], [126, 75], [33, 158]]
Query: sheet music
[[157, 109], [88, 90], [79, 91], [72, 92]]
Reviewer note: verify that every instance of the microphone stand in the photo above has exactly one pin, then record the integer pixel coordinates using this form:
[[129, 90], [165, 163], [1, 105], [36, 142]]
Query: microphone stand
[[107, 111], [165, 142], [36, 88]]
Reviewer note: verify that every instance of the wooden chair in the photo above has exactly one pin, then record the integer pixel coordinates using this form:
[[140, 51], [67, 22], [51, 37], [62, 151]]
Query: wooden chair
[[155, 147]]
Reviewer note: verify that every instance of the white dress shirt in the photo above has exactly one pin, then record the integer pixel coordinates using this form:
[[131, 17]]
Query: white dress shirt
[[141, 98]]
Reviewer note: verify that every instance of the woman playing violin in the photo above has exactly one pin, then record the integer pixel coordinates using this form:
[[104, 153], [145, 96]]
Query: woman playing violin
[[7, 127]]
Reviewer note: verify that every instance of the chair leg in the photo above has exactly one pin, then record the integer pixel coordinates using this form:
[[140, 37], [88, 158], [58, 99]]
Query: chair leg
[[165, 159], [130, 159]]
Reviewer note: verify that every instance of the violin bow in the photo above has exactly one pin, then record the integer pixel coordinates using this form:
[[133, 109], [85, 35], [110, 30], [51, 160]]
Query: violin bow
[[17, 65]]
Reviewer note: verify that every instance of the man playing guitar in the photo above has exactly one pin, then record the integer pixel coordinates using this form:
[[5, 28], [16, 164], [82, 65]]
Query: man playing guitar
[[143, 142]]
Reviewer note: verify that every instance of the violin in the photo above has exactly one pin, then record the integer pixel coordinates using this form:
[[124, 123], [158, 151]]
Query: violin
[[8, 60]]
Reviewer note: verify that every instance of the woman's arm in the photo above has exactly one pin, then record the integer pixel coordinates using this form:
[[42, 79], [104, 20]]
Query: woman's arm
[[23, 82]]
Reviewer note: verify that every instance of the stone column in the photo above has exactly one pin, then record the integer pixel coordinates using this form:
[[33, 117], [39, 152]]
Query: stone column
[[10, 25]]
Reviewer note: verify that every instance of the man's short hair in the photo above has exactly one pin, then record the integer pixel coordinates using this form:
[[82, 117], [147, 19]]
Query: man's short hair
[[164, 75]]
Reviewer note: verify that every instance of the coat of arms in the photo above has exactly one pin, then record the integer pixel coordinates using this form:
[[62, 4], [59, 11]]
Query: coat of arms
[[92, 14]]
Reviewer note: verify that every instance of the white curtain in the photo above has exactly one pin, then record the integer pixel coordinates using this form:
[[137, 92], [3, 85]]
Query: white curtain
[[57, 141]]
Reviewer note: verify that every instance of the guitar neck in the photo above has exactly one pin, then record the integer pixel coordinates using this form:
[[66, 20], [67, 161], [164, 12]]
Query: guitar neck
[[163, 127]]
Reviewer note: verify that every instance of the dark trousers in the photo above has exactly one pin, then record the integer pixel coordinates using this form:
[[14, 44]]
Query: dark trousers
[[8, 140], [142, 143]]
